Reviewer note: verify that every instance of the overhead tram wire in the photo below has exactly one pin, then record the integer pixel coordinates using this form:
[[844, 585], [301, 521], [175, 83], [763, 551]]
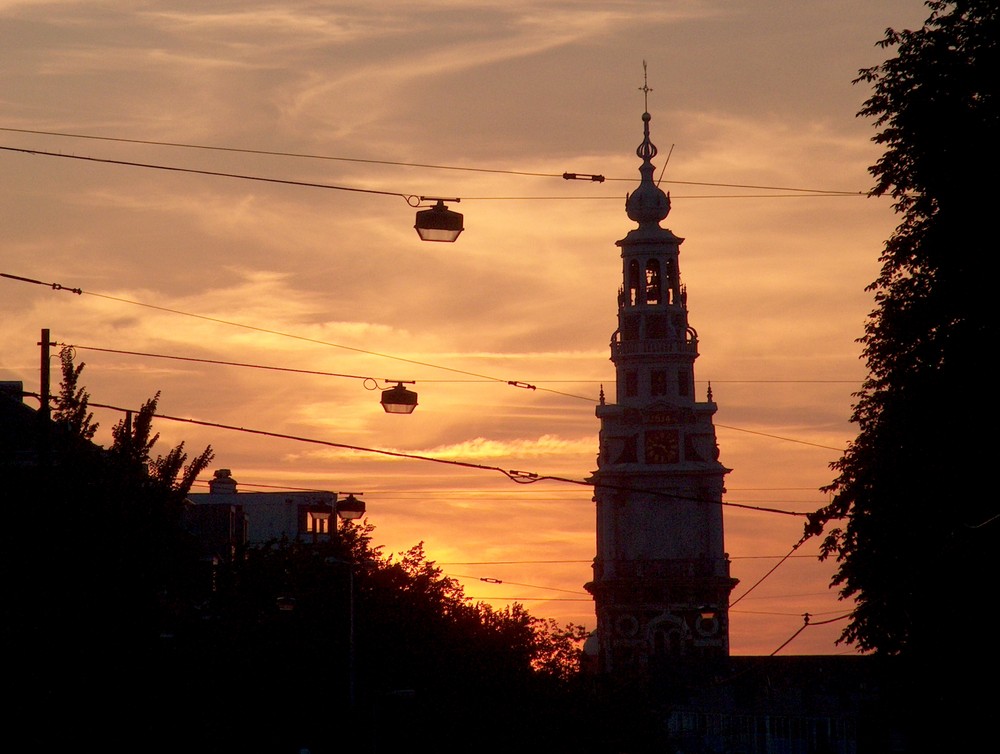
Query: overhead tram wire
[[220, 174], [806, 624], [486, 378], [426, 166], [518, 476], [362, 377], [761, 580], [779, 437], [317, 372], [572, 562], [488, 580], [414, 199], [80, 291], [531, 501], [514, 383], [273, 153], [498, 581], [782, 558], [529, 599]]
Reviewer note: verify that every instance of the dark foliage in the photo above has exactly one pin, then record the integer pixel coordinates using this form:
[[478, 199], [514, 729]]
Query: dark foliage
[[915, 529], [916, 512], [375, 653], [120, 638], [71, 411]]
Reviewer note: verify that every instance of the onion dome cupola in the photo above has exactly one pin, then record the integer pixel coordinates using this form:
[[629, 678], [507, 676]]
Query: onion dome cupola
[[648, 204]]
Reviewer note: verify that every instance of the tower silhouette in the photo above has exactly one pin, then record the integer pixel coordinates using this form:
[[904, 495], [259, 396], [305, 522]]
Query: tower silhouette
[[661, 581]]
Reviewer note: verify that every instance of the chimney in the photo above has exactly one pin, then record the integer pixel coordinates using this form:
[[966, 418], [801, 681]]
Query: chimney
[[223, 483], [13, 388]]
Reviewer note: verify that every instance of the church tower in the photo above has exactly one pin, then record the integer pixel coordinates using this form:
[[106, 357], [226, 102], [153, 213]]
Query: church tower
[[661, 582]]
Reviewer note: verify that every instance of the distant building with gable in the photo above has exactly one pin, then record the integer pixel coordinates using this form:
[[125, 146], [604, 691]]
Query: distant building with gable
[[225, 518]]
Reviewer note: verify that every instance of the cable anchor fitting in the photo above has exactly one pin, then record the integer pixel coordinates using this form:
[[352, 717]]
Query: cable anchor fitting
[[593, 178], [525, 385]]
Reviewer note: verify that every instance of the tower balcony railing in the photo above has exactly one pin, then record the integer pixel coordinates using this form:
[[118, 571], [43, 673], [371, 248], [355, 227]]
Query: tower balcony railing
[[659, 346], [680, 568]]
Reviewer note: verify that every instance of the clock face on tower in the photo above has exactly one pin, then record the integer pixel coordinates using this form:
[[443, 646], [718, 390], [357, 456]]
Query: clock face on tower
[[662, 446]]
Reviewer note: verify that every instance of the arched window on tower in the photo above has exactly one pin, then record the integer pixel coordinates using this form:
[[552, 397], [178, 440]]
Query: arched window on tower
[[633, 282], [670, 281], [631, 384], [653, 281], [658, 382], [667, 643], [683, 381]]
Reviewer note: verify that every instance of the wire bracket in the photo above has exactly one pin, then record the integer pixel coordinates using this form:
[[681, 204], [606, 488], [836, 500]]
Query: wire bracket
[[593, 178], [525, 385]]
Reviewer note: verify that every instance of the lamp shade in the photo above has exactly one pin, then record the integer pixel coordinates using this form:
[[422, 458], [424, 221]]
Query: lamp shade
[[350, 508], [438, 223], [399, 400]]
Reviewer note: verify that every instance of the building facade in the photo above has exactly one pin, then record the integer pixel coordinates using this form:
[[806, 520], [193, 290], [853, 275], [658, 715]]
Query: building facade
[[661, 581], [225, 519]]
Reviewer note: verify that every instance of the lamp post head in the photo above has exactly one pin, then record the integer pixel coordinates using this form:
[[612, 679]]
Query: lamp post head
[[439, 223], [350, 508], [399, 400]]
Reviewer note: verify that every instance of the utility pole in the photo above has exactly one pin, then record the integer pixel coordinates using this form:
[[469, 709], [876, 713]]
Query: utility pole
[[46, 344]]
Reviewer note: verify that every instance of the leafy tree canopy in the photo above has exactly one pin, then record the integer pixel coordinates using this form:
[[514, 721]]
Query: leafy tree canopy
[[919, 526], [914, 528], [71, 411], [134, 638]]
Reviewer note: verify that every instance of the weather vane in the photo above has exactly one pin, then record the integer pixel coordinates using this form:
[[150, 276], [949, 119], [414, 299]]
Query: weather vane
[[645, 87]]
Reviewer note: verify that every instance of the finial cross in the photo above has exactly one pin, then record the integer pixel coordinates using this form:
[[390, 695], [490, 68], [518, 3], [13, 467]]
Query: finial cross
[[645, 89]]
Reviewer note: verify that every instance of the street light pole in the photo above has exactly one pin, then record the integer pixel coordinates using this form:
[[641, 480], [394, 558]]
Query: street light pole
[[350, 630], [351, 672], [45, 343], [348, 509]]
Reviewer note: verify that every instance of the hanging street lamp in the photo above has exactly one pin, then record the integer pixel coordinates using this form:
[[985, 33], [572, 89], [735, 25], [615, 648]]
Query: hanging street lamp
[[399, 400], [438, 223], [350, 508]]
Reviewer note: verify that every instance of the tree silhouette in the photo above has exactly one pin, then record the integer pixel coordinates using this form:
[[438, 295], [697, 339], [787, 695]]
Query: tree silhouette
[[367, 652], [95, 558], [334, 643], [133, 445], [71, 410], [133, 437], [916, 517], [915, 530]]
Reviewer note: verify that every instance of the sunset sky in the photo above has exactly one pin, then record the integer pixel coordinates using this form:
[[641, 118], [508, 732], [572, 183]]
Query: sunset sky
[[243, 199]]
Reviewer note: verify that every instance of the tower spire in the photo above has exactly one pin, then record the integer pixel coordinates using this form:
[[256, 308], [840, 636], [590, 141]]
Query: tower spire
[[645, 88], [648, 204]]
